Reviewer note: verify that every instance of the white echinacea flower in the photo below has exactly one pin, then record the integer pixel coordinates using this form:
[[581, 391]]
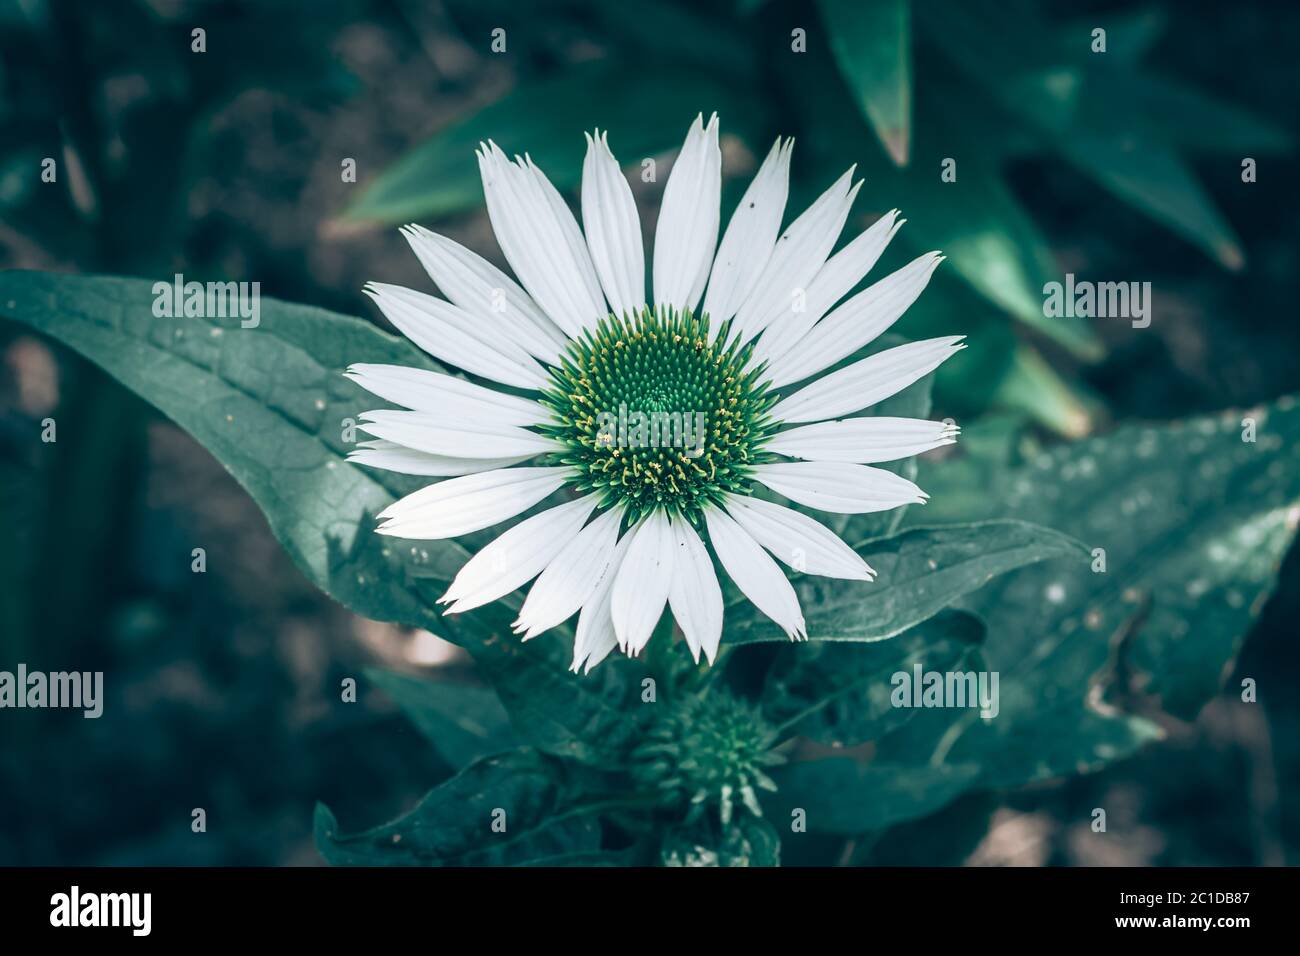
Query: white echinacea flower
[[656, 415]]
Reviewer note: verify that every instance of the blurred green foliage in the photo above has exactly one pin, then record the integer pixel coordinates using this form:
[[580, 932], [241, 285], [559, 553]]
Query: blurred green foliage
[[1194, 520], [978, 84]]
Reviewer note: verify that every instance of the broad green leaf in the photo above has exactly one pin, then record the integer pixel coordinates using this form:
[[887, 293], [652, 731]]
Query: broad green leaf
[[944, 838], [270, 403], [1194, 522], [839, 693], [644, 114], [872, 43], [463, 722], [919, 573], [454, 824], [839, 795]]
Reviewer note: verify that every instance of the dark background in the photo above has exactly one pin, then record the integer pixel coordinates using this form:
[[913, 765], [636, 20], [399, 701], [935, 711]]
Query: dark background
[[222, 689]]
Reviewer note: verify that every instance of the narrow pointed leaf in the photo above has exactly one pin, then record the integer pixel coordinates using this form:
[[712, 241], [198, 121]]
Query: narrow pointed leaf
[[872, 43]]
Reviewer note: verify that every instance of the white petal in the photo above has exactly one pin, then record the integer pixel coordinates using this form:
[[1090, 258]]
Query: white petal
[[458, 506], [456, 437], [756, 574], [863, 440], [750, 237], [841, 273], [480, 288], [570, 580], [857, 322], [687, 230], [594, 637], [799, 255], [866, 382], [406, 461], [516, 556], [452, 335], [804, 544], [576, 245], [839, 486], [613, 227], [644, 579], [427, 391], [541, 240], [695, 596]]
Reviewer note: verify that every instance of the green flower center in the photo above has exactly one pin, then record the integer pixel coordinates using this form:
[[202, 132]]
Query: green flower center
[[655, 416]]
